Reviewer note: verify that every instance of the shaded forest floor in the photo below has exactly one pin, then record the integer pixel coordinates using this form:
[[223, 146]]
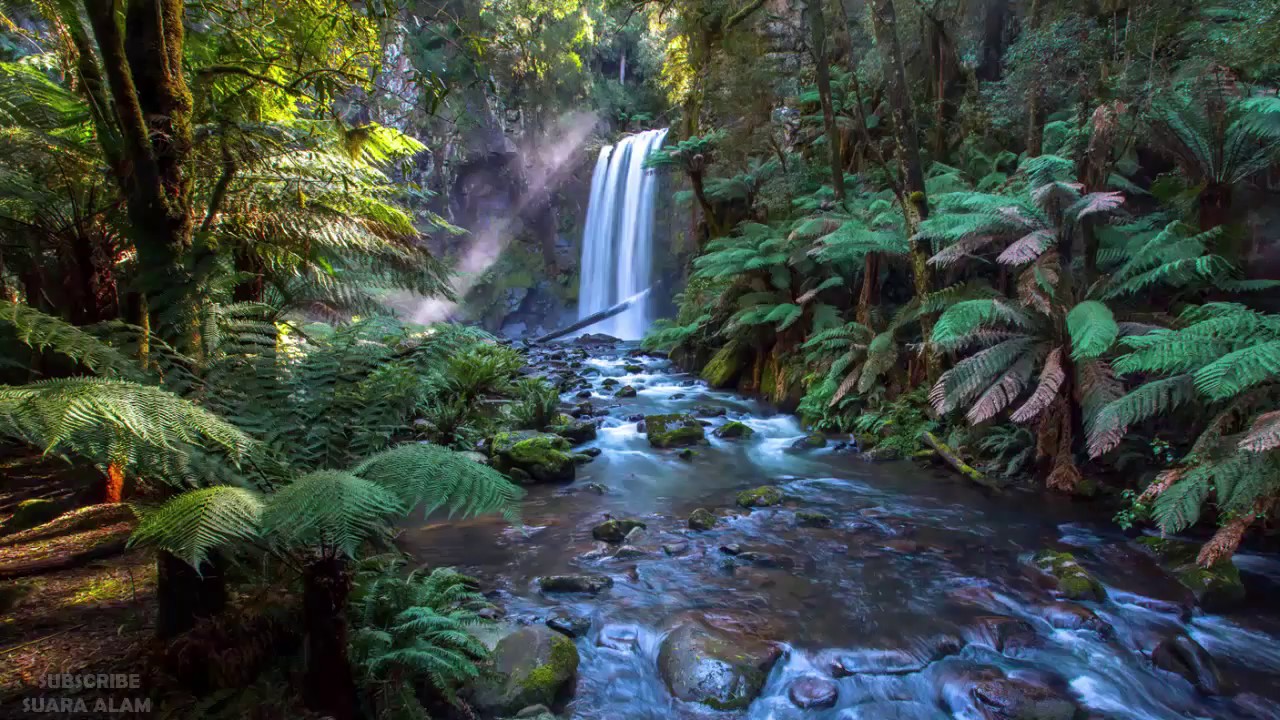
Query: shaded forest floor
[[70, 601]]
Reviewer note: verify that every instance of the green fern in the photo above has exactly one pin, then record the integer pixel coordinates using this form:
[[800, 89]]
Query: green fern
[[421, 474], [198, 522]]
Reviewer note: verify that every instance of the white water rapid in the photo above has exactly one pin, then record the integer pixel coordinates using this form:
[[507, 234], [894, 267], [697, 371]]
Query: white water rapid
[[617, 242]]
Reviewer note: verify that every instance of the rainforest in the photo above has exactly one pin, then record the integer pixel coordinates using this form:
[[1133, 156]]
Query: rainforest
[[640, 359]]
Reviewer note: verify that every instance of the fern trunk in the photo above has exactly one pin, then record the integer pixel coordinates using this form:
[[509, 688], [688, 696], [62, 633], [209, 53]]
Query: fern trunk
[[329, 687], [818, 41], [1035, 100], [113, 490], [1214, 206], [185, 596]]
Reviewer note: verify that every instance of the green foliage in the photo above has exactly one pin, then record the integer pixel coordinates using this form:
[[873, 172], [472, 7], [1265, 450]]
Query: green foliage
[[414, 625], [333, 511], [536, 404], [195, 523], [482, 370], [421, 474]]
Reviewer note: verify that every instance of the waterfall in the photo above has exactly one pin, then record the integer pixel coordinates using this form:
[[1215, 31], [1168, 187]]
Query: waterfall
[[617, 241]]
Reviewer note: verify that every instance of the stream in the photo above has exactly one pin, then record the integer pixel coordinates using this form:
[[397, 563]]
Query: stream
[[919, 600]]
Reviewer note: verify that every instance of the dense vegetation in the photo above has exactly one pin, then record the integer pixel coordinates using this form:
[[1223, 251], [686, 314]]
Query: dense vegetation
[[1038, 229], [1061, 232]]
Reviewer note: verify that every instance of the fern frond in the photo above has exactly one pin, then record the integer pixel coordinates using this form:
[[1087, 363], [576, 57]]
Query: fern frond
[[1093, 329], [331, 510], [1051, 377], [197, 522], [435, 477]]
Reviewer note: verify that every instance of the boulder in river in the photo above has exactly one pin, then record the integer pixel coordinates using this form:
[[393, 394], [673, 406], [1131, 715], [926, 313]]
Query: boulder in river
[[733, 430], [723, 369], [615, 530], [687, 454], [632, 368], [1011, 698], [721, 669], [542, 457], [597, 339], [626, 391], [531, 666], [1074, 582], [591, 584], [571, 625], [763, 496], [706, 411], [702, 519], [669, 431], [812, 441], [575, 431], [1007, 634], [1183, 656], [1216, 589]]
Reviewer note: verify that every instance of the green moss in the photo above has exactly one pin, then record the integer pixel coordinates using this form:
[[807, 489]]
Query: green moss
[[763, 496], [633, 369], [807, 518], [734, 429], [615, 530], [1074, 582], [543, 457], [724, 367], [670, 431], [32, 513], [1216, 588], [544, 681], [626, 391], [702, 519]]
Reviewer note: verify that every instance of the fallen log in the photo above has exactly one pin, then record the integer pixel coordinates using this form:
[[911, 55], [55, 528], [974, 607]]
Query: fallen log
[[960, 466], [66, 561], [594, 318]]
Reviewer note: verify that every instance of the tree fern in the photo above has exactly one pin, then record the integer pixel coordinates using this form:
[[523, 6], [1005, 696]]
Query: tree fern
[[330, 510], [435, 477], [1092, 328], [197, 522]]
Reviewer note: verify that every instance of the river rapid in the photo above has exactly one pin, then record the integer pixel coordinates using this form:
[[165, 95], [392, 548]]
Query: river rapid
[[918, 601]]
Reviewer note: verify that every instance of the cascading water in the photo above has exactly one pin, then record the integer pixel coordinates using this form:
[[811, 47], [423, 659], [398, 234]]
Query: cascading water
[[617, 242]]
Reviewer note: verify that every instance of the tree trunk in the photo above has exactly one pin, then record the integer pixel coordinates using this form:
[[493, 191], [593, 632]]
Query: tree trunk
[[1215, 206], [818, 43], [915, 201], [143, 68], [184, 596], [1035, 92], [989, 66], [329, 687], [869, 297]]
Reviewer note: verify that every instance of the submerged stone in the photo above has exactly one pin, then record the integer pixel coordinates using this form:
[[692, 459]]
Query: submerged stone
[[669, 431], [1217, 588], [572, 625], [812, 441], [1183, 656], [810, 518], [687, 454], [531, 666], [764, 496], [813, 692], [1070, 616], [1074, 582]]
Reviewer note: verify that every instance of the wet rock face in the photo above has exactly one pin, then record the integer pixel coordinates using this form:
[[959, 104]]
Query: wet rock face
[[670, 431], [615, 530], [626, 391], [1216, 589], [570, 625], [913, 655], [809, 442], [1073, 581], [808, 518], [813, 693], [721, 669], [530, 456], [575, 431], [1009, 635], [1183, 656], [531, 666]]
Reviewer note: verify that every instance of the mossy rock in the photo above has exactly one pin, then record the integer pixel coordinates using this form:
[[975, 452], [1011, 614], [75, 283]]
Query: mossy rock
[[812, 441], [626, 391], [609, 382], [1074, 582], [1216, 589], [531, 666], [575, 431], [31, 513], [725, 366], [669, 431], [734, 429], [633, 368], [590, 584], [764, 496], [615, 530], [542, 457], [722, 670], [702, 519], [809, 518], [687, 454]]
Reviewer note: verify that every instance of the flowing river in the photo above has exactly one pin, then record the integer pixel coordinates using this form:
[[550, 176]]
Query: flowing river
[[917, 602]]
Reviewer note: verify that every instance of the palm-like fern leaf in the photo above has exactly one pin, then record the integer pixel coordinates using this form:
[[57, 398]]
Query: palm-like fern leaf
[[197, 522], [331, 510], [435, 477]]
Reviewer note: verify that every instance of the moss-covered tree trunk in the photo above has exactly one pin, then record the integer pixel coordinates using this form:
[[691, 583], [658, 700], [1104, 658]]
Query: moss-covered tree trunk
[[141, 60], [329, 687], [915, 201], [1035, 91], [817, 46]]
